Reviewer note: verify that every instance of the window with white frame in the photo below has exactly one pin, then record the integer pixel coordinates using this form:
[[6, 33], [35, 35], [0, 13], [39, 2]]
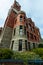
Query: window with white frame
[[21, 30]]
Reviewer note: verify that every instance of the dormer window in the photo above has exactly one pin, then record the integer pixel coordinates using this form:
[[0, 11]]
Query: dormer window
[[21, 18]]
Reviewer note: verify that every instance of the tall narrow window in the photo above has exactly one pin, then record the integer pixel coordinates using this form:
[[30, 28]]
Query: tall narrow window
[[20, 45], [12, 45], [21, 18], [21, 30], [27, 34], [14, 31], [25, 30], [26, 44], [27, 25], [29, 46], [35, 37], [21, 27], [33, 45], [31, 35], [30, 27]]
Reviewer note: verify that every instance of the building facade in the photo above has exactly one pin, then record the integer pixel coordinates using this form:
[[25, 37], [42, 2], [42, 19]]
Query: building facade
[[19, 32]]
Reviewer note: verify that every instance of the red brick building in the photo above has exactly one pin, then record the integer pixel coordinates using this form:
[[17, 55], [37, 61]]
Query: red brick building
[[20, 32]]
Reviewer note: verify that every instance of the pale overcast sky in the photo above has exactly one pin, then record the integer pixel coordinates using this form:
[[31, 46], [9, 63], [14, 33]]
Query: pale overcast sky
[[33, 9]]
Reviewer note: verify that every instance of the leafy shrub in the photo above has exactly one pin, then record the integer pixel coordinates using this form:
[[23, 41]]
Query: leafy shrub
[[6, 54], [25, 56], [39, 51]]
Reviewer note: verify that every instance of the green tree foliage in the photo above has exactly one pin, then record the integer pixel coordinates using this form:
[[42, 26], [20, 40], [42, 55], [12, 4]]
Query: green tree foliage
[[6, 54], [39, 51], [40, 46]]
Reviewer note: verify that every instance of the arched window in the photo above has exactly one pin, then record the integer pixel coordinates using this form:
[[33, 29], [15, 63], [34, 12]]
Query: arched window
[[21, 18]]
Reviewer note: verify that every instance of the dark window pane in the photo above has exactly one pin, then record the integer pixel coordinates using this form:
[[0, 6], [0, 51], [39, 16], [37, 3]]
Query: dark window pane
[[29, 46], [21, 30], [33, 45], [25, 30], [35, 37], [27, 34], [21, 26], [20, 45], [26, 44], [21, 18], [31, 36], [12, 44]]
